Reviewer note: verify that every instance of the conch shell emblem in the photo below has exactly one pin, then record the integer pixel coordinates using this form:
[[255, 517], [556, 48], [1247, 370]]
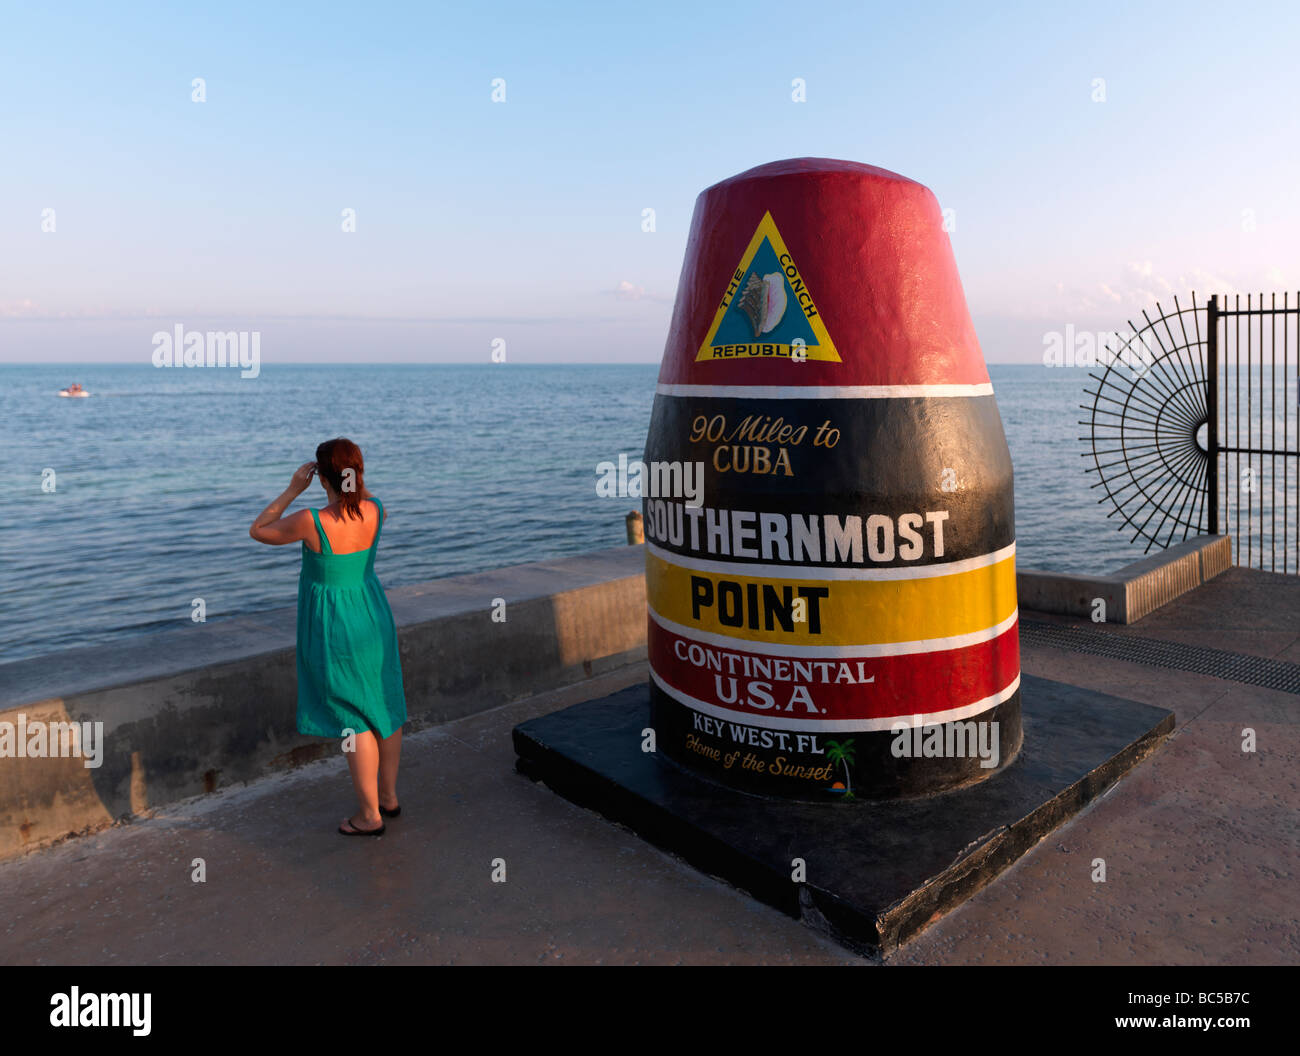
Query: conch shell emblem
[[763, 301]]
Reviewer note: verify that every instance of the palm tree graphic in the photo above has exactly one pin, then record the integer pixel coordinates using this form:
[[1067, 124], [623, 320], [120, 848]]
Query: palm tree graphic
[[842, 753]]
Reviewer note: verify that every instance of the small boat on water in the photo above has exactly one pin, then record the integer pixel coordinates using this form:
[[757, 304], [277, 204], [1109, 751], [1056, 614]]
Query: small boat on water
[[73, 390]]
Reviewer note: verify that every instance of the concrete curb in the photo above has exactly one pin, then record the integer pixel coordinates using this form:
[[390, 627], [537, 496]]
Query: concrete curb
[[1134, 591]]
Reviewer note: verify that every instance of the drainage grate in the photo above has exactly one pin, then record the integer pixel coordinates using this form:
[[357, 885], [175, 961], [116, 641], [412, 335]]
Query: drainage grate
[[1235, 667]]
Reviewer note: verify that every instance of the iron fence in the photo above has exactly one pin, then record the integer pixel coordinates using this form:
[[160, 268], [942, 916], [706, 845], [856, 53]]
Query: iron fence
[[1194, 426]]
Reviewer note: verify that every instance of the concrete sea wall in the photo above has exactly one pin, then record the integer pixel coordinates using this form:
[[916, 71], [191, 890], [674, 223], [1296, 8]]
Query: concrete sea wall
[[188, 711], [1135, 590]]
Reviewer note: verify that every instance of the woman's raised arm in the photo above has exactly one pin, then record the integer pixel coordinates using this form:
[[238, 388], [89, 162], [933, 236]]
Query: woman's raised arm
[[274, 529]]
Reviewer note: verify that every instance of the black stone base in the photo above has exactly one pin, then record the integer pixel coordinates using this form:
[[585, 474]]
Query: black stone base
[[875, 872]]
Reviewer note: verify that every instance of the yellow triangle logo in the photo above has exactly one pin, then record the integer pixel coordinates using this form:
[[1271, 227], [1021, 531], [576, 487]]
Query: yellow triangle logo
[[767, 311]]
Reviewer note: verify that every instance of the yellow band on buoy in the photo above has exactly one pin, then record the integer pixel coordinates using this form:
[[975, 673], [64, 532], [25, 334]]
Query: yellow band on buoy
[[833, 611]]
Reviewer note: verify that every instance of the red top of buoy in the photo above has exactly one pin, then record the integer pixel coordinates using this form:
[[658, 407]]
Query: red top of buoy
[[843, 263]]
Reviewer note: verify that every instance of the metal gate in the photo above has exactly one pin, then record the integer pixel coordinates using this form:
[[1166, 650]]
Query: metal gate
[[1195, 426]]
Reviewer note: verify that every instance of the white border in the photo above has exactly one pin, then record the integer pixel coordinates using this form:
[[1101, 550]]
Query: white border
[[854, 652], [824, 392], [951, 568]]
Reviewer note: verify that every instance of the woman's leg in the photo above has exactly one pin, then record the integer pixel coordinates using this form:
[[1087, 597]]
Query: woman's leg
[[390, 754], [363, 763]]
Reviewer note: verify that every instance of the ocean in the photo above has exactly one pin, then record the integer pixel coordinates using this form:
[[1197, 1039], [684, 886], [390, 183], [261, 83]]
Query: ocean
[[158, 475]]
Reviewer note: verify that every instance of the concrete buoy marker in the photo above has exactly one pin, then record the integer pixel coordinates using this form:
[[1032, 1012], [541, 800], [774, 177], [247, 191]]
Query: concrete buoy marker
[[837, 618]]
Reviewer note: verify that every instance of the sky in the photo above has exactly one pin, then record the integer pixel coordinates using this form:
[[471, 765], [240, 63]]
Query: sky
[[522, 220]]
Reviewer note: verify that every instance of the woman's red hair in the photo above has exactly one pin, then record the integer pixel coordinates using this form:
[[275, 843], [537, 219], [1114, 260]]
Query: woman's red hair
[[334, 458]]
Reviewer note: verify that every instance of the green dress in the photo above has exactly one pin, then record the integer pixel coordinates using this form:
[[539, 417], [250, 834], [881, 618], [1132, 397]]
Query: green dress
[[349, 673]]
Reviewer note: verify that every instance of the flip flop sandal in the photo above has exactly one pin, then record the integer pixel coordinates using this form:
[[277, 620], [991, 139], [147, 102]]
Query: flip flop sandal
[[390, 813], [354, 831]]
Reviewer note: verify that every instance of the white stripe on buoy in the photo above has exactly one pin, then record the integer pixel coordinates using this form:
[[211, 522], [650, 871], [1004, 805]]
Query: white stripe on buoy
[[824, 392], [740, 568], [838, 652]]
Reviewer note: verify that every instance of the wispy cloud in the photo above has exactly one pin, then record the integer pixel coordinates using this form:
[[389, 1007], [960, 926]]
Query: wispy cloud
[[29, 310], [630, 291], [1142, 283], [24, 309]]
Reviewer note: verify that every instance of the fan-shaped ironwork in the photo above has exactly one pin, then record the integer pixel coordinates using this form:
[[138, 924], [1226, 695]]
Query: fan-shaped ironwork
[[1148, 444]]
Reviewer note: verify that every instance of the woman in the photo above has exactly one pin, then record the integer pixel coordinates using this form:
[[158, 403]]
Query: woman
[[349, 674]]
